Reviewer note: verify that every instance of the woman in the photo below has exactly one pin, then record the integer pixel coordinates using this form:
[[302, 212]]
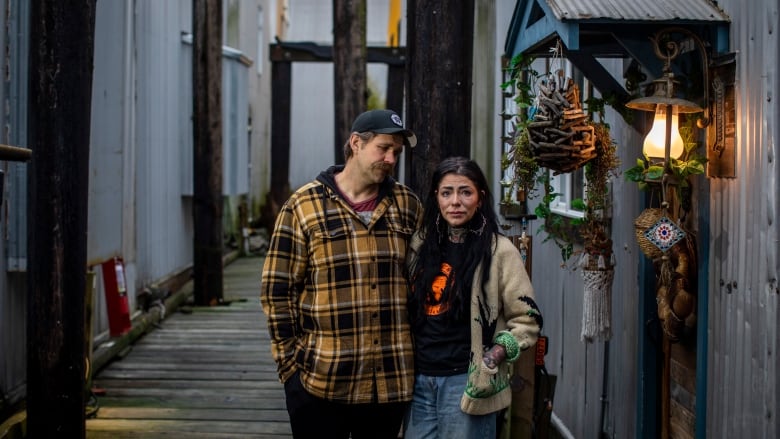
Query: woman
[[471, 308]]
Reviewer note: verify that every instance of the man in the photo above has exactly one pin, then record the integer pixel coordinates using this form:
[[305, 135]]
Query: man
[[334, 289]]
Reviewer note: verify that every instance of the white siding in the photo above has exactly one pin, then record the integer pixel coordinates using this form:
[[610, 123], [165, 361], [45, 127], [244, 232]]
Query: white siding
[[163, 219]]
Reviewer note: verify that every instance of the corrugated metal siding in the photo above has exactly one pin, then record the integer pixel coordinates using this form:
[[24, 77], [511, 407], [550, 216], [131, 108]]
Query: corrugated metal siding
[[110, 203], [235, 108], [163, 217], [13, 251], [743, 368], [108, 148], [235, 140], [631, 10], [15, 133]]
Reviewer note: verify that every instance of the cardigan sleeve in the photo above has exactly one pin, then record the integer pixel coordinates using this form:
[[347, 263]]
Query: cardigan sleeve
[[522, 315]]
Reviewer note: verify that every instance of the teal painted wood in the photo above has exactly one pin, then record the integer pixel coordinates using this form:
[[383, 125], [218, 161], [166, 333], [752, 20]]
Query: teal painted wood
[[650, 354]]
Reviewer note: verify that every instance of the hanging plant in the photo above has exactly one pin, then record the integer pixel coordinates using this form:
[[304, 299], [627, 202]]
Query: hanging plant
[[553, 132], [592, 229], [597, 174], [522, 183], [527, 168]]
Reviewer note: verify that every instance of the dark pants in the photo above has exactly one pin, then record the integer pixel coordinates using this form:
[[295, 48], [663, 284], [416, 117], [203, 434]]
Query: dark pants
[[312, 417]]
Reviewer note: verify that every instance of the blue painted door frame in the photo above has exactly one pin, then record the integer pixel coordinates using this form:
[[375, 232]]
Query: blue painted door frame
[[650, 336]]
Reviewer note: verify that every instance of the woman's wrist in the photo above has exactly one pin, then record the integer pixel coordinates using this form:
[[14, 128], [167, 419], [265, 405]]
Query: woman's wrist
[[494, 356]]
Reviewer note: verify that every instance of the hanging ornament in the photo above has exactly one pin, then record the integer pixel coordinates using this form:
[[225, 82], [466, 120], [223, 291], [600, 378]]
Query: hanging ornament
[[664, 234]]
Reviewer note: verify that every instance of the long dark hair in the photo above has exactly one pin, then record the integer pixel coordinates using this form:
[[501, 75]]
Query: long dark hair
[[478, 247]]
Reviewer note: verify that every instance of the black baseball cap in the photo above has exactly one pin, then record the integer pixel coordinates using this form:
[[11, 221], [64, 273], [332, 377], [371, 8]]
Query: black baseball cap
[[383, 122]]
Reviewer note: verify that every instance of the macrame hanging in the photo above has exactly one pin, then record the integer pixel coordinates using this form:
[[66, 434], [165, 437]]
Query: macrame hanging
[[597, 305], [598, 259], [597, 266]]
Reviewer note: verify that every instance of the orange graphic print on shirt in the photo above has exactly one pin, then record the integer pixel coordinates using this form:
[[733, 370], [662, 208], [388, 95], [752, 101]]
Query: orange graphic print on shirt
[[434, 306]]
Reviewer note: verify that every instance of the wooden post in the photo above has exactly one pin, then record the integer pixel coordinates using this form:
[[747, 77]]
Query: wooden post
[[395, 89], [440, 40], [207, 156], [283, 54], [349, 67], [281, 91], [61, 60], [521, 413]]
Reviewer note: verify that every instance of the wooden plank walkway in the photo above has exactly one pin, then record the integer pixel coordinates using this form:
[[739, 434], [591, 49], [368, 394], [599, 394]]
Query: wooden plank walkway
[[204, 374]]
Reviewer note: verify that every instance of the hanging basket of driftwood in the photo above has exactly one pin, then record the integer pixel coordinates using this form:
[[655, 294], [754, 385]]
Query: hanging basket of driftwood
[[560, 136]]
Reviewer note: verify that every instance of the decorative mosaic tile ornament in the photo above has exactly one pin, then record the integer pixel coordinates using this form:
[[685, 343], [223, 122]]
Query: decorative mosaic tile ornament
[[664, 234]]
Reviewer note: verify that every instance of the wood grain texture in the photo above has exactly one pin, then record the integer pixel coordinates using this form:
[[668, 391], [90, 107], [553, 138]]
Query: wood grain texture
[[204, 374]]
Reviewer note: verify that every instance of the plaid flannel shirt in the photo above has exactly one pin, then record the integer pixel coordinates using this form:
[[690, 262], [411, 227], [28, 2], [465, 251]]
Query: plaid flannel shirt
[[335, 292]]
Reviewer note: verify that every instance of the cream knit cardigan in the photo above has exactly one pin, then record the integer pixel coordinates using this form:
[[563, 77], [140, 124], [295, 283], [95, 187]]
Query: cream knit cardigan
[[510, 302]]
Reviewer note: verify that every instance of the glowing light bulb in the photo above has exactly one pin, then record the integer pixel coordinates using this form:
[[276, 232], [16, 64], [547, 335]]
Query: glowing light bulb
[[655, 139]]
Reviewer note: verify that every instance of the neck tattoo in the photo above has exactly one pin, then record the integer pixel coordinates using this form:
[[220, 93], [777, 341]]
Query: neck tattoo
[[457, 234]]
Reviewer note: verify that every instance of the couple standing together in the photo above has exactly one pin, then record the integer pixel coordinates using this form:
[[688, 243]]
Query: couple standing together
[[385, 312]]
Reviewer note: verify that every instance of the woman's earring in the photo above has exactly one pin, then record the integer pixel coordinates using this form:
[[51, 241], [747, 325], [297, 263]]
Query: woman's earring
[[438, 230], [481, 229]]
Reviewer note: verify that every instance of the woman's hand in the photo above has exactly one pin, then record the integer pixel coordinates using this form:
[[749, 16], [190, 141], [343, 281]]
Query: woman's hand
[[494, 356]]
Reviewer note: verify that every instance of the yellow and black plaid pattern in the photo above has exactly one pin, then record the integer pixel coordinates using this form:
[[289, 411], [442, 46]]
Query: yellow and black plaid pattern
[[335, 290]]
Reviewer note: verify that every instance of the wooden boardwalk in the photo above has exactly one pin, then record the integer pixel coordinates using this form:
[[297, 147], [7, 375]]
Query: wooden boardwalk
[[204, 374]]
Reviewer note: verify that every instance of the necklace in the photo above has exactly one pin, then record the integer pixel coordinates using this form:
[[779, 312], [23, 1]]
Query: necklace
[[457, 234]]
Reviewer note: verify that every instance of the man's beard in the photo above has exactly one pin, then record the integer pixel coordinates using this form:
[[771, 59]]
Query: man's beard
[[386, 169]]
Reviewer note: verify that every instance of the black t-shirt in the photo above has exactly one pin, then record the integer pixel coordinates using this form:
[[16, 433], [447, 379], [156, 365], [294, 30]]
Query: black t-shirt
[[442, 343]]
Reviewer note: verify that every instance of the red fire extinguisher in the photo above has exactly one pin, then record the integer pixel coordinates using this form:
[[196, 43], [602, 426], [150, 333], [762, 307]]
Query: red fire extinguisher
[[116, 296]]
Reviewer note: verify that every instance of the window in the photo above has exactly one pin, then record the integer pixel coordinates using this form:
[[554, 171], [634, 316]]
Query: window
[[570, 187], [230, 23]]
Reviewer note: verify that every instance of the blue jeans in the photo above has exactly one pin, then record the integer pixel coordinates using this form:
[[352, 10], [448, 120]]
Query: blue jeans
[[435, 411]]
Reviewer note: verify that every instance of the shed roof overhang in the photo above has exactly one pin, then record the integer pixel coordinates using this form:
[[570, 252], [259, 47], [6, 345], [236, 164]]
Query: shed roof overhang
[[610, 29]]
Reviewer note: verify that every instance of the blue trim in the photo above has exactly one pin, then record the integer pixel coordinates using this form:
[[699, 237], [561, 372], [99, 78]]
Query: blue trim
[[648, 331], [721, 39], [522, 35], [650, 353], [514, 27]]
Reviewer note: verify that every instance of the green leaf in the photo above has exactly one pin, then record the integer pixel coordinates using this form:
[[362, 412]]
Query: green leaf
[[655, 172], [637, 173], [696, 167]]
